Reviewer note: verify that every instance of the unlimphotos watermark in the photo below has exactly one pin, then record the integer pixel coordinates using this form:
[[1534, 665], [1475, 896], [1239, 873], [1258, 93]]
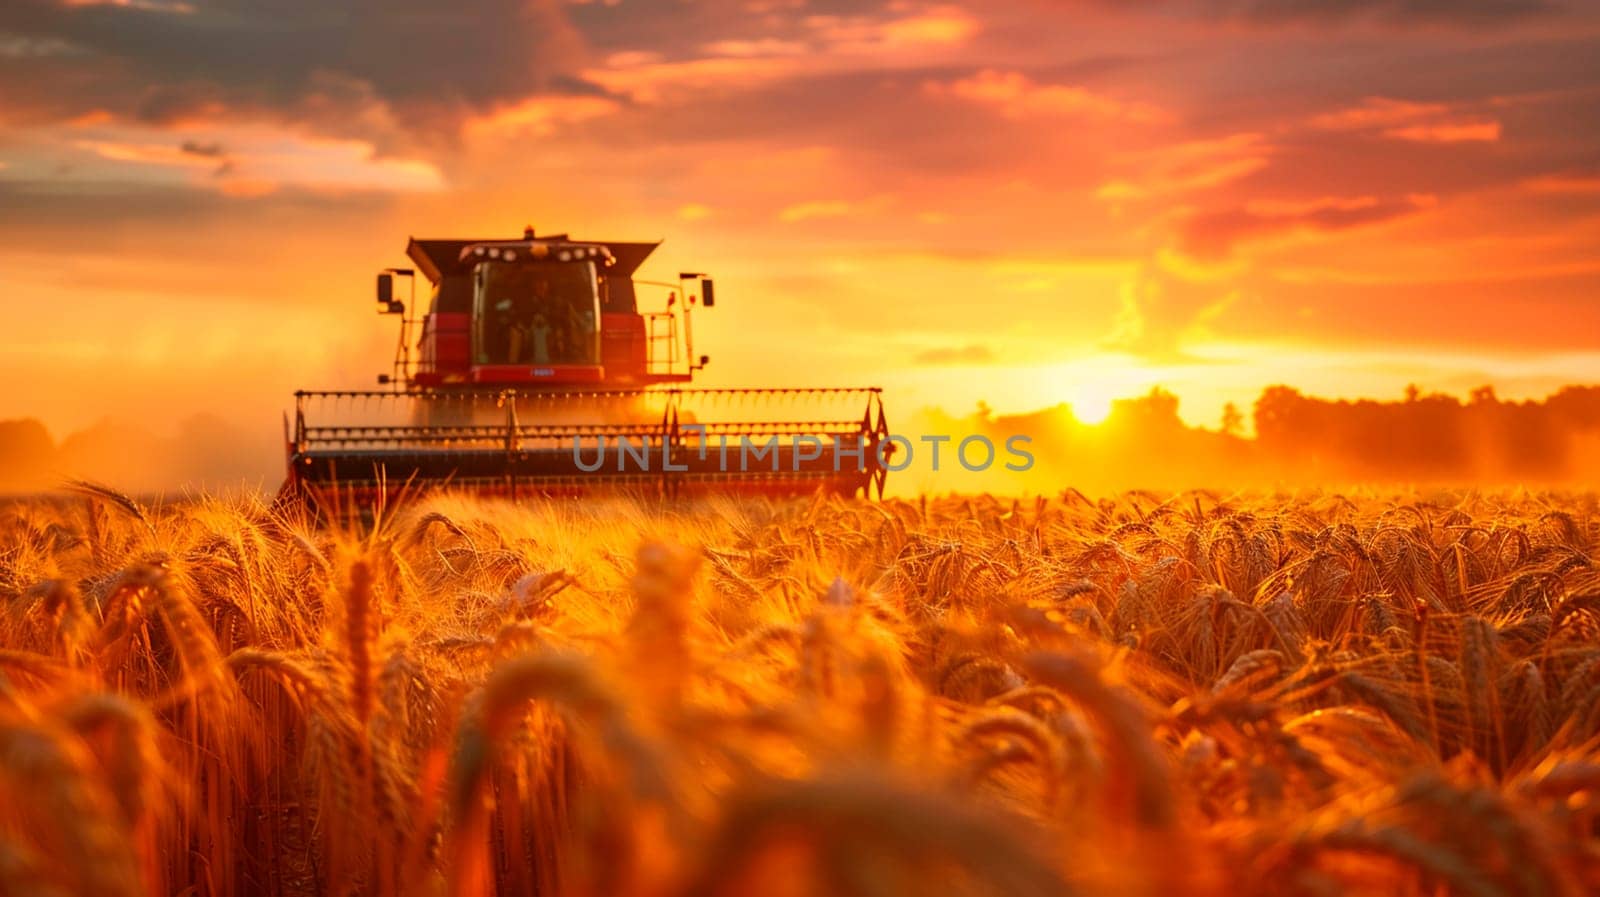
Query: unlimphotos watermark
[[799, 451]]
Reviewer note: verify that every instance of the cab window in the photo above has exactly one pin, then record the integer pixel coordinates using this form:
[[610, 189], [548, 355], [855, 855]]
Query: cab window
[[536, 314]]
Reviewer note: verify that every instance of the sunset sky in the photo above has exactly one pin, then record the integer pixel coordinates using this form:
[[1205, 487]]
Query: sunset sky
[[1017, 201]]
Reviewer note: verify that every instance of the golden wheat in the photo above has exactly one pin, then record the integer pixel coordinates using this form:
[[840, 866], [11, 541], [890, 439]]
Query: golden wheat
[[1191, 695]]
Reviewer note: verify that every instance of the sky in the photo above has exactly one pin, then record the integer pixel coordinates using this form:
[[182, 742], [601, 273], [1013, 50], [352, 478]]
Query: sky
[[1017, 202]]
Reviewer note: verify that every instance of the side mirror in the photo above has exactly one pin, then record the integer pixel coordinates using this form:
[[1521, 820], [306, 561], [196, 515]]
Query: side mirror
[[385, 288], [708, 293]]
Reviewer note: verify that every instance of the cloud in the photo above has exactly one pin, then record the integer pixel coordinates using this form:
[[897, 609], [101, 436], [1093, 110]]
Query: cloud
[[203, 150], [1377, 112], [767, 46], [234, 160], [1466, 13], [166, 6], [538, 116], [825, 208], [1188, 167], [155, 62], [969, 354], [1407, 120], [1460, 132], [1213, 235], [1162, 311], [1410, 12], [1571, 183], [143, 153], [1015, 95], [14, 46], [860, 36], [936, 26], [647, 79]]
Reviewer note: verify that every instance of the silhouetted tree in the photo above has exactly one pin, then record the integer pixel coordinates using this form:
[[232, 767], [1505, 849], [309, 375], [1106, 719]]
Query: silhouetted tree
[[1232, 420]]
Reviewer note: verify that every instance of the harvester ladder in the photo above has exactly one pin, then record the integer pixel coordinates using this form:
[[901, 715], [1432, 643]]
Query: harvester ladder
[[661, 328]]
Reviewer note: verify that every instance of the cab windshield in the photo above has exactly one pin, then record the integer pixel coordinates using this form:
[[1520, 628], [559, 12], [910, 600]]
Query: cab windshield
[[538, 313]]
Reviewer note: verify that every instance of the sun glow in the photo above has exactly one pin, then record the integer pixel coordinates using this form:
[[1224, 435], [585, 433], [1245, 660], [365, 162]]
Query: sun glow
[[1091, 402]]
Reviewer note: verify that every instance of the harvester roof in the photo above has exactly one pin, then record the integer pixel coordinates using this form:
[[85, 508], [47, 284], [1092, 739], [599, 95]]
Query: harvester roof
[[437, 258]]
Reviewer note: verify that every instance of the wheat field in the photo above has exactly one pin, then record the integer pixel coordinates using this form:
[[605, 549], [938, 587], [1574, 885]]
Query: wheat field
[[1195, 694]]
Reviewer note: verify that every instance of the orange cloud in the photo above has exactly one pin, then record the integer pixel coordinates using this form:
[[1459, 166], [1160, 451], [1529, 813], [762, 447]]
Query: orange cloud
[[145, 153], [1377, 112], [247, 187], [167, 6], [1450, 132], [538, 116], [1214, 234], [940, 26], [1015, 95], [644, 78], [1161, 312], [1188, 167], [245, 161], [1406, 120], [1565, 183], [761, 47], [827, 208], [821, 44]]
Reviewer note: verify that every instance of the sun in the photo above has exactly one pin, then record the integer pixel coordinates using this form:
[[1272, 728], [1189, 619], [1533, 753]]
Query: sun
[[1091, 402]]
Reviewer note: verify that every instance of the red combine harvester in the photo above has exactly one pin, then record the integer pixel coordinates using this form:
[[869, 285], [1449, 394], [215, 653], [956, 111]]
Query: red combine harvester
[[533, 372]]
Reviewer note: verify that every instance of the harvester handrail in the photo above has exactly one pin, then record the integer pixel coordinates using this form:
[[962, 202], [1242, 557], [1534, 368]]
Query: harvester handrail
[[599, 393], [485, 433]]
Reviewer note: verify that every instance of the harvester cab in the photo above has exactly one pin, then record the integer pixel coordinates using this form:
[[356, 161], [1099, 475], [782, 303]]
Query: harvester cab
[[544, 313], [532, 370]]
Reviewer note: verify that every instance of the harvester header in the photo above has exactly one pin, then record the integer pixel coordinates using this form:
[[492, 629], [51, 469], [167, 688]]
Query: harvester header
[[530, 358]]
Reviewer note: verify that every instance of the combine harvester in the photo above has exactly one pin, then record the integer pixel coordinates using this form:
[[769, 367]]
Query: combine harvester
[[533, 372]]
